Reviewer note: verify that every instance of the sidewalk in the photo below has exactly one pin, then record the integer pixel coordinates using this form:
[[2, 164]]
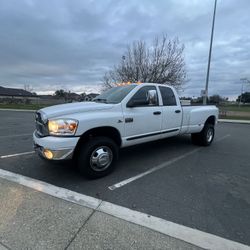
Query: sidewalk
[[31, 219], [38, 215]]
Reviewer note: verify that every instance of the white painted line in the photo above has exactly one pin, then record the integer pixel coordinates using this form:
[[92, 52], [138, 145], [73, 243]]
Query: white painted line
[[52, 190], [222, 138], [158, 167], [14, 155], [7, 136], [189, 235], [17, 110]]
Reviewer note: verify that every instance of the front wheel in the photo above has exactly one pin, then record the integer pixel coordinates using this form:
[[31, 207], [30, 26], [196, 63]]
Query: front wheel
[[96, 157], [205, 137]]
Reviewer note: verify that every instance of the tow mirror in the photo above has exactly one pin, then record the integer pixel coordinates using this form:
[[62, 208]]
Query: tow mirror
[[152, 97]]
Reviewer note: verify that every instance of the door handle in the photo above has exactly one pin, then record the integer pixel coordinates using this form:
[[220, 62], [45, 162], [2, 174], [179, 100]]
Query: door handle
[[157, 113], [177, 111]]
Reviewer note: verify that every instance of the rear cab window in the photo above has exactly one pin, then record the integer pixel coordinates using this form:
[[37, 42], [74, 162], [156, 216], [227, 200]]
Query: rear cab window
[[168, 96]]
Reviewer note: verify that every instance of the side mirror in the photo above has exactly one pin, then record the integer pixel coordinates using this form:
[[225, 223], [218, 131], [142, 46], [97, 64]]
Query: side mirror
[[152, 97]]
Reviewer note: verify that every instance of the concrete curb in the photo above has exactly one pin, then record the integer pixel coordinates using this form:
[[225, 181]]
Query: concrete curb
[[234, 121], [190, 235]]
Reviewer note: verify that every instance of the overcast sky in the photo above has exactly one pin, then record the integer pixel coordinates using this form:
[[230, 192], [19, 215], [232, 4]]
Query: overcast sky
[[69, 44]]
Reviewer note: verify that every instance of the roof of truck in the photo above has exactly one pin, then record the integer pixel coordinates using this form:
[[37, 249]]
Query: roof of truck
[[139, 83]]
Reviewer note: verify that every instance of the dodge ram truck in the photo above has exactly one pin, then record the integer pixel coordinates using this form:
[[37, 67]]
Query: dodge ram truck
[[91, 133]]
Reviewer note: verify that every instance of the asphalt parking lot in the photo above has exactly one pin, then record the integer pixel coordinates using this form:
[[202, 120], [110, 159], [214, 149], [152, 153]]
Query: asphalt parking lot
[[203, 188]]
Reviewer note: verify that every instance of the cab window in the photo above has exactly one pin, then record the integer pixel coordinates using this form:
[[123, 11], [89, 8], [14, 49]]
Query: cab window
[[168, 97], [140, 98]]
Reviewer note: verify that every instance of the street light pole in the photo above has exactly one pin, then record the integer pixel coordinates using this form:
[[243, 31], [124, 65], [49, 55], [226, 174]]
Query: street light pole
[[242, 87], [241, 91], [205, 96]]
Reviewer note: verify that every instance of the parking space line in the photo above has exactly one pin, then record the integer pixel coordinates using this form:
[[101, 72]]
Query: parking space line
[[222, 138], [190, 235], [6, 136], [14, 155], [158, 167]]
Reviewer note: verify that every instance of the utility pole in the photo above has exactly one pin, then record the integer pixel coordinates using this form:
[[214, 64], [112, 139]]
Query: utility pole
[[205, 96]]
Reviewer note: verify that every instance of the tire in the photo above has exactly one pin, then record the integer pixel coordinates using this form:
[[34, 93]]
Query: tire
[[205, 137], [96, 158]]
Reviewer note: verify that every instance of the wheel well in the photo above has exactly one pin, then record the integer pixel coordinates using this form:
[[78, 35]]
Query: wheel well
[[110, 132], [210, 120]]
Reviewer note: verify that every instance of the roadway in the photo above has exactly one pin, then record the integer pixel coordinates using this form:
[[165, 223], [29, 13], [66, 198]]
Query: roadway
[[206, 188]]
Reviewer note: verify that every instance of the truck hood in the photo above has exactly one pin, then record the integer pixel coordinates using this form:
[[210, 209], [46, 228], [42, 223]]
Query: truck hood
[[63, 110]]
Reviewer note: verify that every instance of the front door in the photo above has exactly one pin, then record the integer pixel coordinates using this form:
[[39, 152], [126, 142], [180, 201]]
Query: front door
[[143, 120]]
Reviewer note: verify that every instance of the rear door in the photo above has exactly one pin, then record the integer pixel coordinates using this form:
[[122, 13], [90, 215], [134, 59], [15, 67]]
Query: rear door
[[171, 112]]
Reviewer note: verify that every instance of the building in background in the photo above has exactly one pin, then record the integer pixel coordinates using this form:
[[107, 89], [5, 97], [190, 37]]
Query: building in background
[[21, 96], [12, 95]]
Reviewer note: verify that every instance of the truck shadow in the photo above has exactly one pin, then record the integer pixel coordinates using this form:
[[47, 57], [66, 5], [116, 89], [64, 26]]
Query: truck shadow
[[152, 152], [132, 160], [153, 148]]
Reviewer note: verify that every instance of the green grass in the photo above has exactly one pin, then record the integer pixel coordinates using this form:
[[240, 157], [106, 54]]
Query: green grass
[[22, 106], [242, 108]]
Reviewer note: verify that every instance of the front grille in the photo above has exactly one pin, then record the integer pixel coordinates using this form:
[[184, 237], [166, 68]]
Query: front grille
[[41, 126]]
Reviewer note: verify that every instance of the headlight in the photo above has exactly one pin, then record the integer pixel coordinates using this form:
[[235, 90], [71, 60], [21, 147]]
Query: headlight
[[62, 127]]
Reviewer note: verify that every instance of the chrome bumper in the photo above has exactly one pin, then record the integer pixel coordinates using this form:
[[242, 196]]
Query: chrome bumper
[[62, 154], [55, 148]]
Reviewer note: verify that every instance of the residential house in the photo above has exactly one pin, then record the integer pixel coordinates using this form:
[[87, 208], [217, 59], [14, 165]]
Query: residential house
[[16, 95]]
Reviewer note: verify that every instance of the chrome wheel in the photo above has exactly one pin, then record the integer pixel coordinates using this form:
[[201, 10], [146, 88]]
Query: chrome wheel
[[210, 135], [101, 158]]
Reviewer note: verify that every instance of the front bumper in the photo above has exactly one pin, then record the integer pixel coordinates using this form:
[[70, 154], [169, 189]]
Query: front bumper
[[55, 148]]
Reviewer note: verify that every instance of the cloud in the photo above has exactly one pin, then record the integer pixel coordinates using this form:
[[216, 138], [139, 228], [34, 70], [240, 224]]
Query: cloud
[[70, 44]]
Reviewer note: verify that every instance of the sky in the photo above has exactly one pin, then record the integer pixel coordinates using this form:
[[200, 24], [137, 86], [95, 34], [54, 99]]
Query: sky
[[70, 44]]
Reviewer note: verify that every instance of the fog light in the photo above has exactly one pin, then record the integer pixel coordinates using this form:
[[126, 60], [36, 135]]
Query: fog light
[[48, 154]]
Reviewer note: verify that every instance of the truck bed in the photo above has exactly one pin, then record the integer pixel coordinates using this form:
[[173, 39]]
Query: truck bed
[[194, 117]]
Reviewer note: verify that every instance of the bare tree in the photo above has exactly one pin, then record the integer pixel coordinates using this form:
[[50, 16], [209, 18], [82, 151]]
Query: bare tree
[[28, 88], [162, 62]]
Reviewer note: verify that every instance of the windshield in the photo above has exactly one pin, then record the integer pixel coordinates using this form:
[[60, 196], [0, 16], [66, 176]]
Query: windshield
[[114, 95]]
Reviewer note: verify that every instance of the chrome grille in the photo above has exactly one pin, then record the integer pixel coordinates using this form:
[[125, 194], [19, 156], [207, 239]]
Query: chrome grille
[[41, 126]]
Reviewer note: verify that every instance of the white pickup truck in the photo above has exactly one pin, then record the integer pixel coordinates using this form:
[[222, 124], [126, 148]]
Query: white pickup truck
[[91, 133]]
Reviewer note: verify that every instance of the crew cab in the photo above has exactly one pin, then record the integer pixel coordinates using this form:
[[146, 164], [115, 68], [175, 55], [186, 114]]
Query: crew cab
[[91, 133]]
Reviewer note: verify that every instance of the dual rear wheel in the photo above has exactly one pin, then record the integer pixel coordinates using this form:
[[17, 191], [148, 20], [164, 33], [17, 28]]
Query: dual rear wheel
[[205, 137]]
